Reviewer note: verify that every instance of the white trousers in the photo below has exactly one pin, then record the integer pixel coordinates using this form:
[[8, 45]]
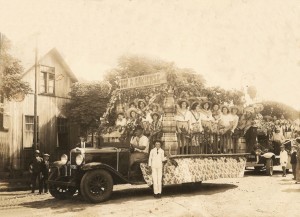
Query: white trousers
[[157, 180]]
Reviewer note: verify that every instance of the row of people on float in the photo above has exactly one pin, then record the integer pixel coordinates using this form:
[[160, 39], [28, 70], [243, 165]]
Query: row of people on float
[[285, 127], [137, 114], [200, 115]]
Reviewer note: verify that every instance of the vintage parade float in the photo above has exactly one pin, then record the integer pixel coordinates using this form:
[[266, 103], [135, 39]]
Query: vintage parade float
[[94, 171]]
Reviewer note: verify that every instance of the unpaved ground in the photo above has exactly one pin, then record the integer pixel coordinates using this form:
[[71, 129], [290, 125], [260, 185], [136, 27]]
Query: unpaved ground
[[253, 195]]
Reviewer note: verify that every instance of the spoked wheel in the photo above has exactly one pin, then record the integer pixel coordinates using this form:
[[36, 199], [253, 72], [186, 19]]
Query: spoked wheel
[[96, 186], [62, 192], [257, 169], [269, 167]]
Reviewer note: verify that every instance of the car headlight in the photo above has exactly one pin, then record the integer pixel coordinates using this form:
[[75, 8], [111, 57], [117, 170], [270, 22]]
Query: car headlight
[[79, 159], [64, 158]]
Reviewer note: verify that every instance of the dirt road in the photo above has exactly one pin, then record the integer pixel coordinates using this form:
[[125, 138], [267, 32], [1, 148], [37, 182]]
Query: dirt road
[[253, 195]]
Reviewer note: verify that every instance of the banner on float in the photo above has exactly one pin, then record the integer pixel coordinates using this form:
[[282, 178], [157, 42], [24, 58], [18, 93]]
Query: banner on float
[[143, 81]]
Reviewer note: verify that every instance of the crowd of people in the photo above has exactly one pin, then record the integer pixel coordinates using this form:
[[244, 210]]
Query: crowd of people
[[208, 127]]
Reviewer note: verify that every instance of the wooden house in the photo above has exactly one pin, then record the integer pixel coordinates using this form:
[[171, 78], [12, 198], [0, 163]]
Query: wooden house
[[56, 135]]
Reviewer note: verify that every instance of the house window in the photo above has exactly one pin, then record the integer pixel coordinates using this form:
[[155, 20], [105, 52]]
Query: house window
[[29, 131], [62, 125], [62, 133], [47, 80]]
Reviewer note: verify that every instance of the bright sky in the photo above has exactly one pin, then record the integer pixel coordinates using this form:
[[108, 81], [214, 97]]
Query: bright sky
[[230, 42]]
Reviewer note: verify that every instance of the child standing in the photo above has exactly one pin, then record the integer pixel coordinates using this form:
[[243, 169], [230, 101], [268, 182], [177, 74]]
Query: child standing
[[283, 159], [155, 163]]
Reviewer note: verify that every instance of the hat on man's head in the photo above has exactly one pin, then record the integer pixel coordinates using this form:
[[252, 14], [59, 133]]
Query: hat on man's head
[[46, 155], [138, 127], [120, 113], [37, 152]]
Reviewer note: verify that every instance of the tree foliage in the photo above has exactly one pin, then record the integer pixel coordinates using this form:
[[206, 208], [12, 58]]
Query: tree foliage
[[277, 109], [186, 82], [11, 83], [88, 103]]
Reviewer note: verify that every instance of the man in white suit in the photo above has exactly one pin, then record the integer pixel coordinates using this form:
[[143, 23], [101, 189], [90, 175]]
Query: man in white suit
[[156, 159]]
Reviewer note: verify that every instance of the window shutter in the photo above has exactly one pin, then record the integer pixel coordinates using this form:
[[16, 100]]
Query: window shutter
[[6, 121]]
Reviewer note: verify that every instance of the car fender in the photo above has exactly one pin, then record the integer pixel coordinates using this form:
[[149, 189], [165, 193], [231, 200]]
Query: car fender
[[58, 164], [111, 170], [268, 155]]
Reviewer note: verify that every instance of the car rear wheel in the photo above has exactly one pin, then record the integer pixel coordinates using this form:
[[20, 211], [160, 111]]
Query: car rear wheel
[[269, 167], [96, 186]]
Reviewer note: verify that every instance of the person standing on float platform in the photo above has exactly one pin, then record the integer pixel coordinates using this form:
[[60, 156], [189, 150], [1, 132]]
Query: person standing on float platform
[[156, 159]]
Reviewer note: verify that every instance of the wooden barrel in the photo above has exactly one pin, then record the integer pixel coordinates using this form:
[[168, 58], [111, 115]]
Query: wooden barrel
[[171, 148], [168, 124], [170, 143], [169, 104], [169, 137], [241, 146]]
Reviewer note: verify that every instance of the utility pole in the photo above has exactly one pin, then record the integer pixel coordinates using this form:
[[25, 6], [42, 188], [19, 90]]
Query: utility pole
[[35, 136], [1, 39]]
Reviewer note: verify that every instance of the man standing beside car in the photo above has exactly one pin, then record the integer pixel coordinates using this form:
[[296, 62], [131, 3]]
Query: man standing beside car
[[45, 172], [35, 170]]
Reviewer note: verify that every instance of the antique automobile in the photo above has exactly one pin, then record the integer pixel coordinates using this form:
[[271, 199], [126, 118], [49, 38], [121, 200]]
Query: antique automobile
[[265, 160], [93, 172]]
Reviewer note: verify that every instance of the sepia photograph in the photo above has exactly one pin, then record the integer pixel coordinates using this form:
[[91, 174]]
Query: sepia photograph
[[144, 108]]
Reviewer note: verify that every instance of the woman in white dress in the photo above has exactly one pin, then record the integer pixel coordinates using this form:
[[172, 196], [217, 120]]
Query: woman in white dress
[[183, 118], [206, 122], [196, 129], [225, 127]]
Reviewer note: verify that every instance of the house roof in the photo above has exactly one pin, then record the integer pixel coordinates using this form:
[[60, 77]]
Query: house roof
[[26, 54], [27, 58]]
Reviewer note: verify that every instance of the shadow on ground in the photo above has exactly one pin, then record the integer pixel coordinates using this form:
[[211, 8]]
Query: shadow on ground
[[77, 203], [262, 173], [290, 190]]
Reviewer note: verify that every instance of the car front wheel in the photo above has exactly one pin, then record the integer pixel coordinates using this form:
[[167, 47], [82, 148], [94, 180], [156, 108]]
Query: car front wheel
[[96, 186], [61, 192]]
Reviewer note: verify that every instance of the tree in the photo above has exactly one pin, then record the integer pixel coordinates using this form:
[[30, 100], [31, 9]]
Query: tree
[[182, 79], [277, 109], [186, 82], [11, 84], [87, 105]]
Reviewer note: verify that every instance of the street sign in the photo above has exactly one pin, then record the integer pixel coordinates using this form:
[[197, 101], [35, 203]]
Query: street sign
[[143, 81]]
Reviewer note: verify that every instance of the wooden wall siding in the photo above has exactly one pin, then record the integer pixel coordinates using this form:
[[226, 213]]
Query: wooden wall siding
[[49, 108], [12, 150], [4, 150]]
